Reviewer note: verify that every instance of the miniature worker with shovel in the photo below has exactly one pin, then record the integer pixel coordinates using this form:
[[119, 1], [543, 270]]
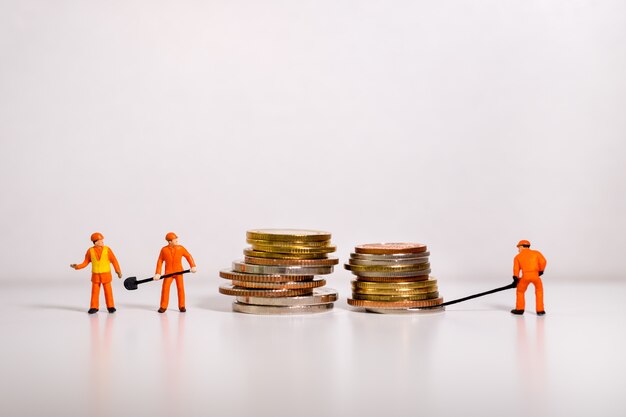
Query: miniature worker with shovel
[[172, 255], [101, 258], [531, 264]]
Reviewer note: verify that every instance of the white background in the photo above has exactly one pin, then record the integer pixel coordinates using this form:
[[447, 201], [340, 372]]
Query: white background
[[465, 125]]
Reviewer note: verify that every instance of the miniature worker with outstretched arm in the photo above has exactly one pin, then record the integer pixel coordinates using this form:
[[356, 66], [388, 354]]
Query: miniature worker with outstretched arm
[[532, 264], [101, 258], [172, 255]]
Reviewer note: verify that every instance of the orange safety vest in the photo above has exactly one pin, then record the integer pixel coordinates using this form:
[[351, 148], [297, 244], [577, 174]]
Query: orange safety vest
[[102, 265]]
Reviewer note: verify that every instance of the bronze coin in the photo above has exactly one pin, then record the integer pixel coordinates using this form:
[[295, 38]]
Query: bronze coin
[[247, 292], [390, 248]]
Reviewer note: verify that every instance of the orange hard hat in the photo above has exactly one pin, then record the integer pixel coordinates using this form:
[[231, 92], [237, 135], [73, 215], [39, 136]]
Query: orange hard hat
[[171, 236], [96, 236], [523, 243]]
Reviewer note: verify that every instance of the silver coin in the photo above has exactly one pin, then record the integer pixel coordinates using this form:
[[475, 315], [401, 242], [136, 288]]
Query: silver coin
[[320, 296], [370, 257], [405, 310], [241, 266], [280, 310], [389, 262], [394, 274]]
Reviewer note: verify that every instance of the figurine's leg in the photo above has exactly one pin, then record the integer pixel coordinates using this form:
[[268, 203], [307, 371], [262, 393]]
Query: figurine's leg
[[520, 302], [180, 288], [165, 292], [539, 294], [95, 295], [108, 295]]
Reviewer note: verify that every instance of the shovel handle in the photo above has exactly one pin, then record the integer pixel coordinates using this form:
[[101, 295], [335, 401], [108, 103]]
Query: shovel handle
[[163, 276], [458, 300]]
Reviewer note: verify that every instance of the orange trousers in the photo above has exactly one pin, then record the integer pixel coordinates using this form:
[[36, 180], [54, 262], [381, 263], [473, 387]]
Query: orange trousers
[[165, 291], [95, 294], [524, 281]]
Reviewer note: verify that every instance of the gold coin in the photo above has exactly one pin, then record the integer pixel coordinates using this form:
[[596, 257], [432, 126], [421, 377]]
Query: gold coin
[[401, 292], [390, 248], [393, 279], [295, 249], [258, 254], [288, 235], [247, 292], [384, 268], [426, 296], [242, 276], [278, 243], [292, 262], [395, 304], [394, 285], [280, 285]]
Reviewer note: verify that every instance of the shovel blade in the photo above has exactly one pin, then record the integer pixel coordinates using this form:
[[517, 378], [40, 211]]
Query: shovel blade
[[130, 283]]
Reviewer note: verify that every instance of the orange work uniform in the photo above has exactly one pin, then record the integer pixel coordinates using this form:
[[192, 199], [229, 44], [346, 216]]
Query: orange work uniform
[[100, 257], [173, 256], [530, 263]]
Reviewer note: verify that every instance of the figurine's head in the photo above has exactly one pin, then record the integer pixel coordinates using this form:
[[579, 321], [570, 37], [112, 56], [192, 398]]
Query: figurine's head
[[523, 244], [171, 238], [97, 239]]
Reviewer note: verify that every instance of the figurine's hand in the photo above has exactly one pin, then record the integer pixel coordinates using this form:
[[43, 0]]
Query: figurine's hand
[[515, 280], [193, 269], [540, 273], [73, 266], [119, 275], [156, 277]]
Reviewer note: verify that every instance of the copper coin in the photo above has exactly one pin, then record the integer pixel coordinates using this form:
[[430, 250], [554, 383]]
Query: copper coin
[[395, 304], [247, 292], [390, 248], [389, 257], [280, 285], [292, 262], [241, 276], [410, 261]]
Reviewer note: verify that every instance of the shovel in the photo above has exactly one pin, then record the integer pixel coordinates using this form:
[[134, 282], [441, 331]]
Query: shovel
[[131, 283]]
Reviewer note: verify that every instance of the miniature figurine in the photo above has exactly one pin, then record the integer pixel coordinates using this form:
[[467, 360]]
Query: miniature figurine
[[532, 264], [101, 258], [172, 255]]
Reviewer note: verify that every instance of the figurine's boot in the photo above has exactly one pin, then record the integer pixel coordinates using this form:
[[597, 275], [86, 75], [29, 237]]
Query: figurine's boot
[[518, 312], [92, 310], [541, 313]]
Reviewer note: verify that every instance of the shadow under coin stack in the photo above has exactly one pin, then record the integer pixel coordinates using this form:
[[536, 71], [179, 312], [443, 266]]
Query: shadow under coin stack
[[392, 278], [277, 275]]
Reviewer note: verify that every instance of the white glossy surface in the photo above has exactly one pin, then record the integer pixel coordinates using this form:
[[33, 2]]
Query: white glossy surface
[[473, 359]]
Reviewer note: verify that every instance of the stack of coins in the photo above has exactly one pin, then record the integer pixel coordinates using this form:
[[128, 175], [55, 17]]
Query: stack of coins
[[278, 273], [392, 278]]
